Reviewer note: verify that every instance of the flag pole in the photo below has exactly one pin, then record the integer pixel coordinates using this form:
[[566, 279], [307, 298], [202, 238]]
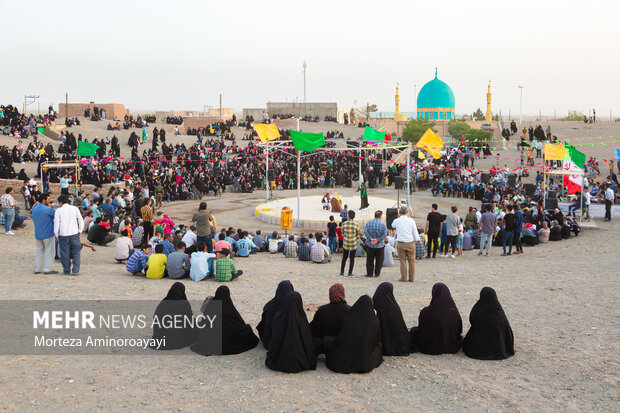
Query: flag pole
[[267, 173], [298, 188], [408, 178], [298, 182]]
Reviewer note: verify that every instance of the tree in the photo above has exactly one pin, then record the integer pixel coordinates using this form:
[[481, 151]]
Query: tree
[[573, 115], [456, 129], [477, 135], [478, 115], [416, 128]]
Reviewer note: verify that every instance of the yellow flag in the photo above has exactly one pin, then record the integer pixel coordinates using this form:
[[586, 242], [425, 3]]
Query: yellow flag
[[267, 133], [421, 155], [431, 143], [554, 152]]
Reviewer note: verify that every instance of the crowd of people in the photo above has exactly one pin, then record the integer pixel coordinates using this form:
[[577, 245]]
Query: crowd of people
[[353, 338]]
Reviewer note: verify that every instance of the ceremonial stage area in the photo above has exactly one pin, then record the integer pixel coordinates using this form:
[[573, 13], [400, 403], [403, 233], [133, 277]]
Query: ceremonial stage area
[[312, 214]]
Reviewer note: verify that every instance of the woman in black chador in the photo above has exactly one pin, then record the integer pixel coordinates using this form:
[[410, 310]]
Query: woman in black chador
[[490, 336]]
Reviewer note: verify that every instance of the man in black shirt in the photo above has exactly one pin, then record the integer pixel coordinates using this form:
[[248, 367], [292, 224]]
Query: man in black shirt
[[433, 229], [99, 234], [509, 227]]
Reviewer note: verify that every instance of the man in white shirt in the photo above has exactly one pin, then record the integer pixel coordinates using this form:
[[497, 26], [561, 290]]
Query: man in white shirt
[[200, 268], [68, 224], [124, 247], [587, 199], [190, 237], [609, 200], [406, 235]]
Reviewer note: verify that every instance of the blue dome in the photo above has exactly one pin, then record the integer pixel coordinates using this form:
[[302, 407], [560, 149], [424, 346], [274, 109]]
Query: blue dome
[[436, 94]]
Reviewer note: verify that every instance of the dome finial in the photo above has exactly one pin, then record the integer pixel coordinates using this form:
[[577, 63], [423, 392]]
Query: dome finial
[[435, 73]]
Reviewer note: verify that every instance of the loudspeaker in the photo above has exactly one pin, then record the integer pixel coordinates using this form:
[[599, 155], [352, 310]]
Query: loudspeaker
[[390, 215], [485, 178], [551, 203], [529, 189], [552, 194], [272, 175], [399, 182]]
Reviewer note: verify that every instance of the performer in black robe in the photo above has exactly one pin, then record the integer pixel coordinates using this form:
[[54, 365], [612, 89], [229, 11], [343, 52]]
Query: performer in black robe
[[439, 325], [162, 135], [395, 338], [270, 309], [292, 347], [174, 305], [490, 336], [357, 349], [328, 318], [237, 336]]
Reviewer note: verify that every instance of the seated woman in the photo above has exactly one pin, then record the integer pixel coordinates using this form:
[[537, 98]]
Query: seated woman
[[357, 349], [543, 233], [395, 338], [490, 336], [292, 347], [528, 235], [174, 306], [555, 233], [439, 325], [328, 318], [237, 336], [270, 309]]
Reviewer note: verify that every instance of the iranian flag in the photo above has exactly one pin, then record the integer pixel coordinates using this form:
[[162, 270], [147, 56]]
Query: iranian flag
[[575, 161]]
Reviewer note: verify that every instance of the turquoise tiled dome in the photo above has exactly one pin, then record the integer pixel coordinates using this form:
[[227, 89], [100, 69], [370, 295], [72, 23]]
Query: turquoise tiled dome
[[436, 94]]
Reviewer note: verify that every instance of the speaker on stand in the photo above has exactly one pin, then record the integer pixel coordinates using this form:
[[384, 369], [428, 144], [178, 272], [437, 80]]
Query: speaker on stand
[[390, 215]]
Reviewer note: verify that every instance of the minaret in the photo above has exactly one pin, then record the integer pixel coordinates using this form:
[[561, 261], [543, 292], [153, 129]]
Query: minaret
[[396, 101], [489, 117]]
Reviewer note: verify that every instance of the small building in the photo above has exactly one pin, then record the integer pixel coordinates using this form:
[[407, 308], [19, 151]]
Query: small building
[[112, 110], [436, 101]]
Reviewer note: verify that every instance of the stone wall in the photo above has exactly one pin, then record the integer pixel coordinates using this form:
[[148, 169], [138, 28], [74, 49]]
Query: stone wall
[[320, 109], [256, 113], [112, 110]]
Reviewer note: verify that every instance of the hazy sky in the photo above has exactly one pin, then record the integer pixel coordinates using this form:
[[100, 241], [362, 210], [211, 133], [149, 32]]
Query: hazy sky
[[183, 54]]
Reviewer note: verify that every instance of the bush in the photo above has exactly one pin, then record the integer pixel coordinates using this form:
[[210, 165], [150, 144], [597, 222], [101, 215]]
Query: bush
[[573, 115], [456, 129], [477, 135], [416, 128]]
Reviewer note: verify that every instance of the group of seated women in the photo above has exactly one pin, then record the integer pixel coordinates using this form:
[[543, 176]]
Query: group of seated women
[[353, 339]]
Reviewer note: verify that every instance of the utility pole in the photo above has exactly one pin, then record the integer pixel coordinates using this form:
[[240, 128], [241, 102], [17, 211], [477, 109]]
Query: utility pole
[[66, 106], [521, 105], [220, 107], [304, 65]]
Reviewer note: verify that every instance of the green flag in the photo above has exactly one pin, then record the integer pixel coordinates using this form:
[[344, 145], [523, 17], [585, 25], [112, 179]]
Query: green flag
[[371, 134], [305, 141], [87, 149], [576, 157]]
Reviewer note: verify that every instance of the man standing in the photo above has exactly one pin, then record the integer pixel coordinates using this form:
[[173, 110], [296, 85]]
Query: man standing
[[68, 224], [486, 227], [147, 216], [344, 214], [43, 218], [350, 233], [8, 210], [609, 200], [587, 199], [432, 230], [64, 184], [452, 231], [517, 229], [204, 220], [406, 235], [375, 232]]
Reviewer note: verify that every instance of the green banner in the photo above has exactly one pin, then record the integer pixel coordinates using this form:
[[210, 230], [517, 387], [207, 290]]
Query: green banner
[[305, 141], [87, 149]]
